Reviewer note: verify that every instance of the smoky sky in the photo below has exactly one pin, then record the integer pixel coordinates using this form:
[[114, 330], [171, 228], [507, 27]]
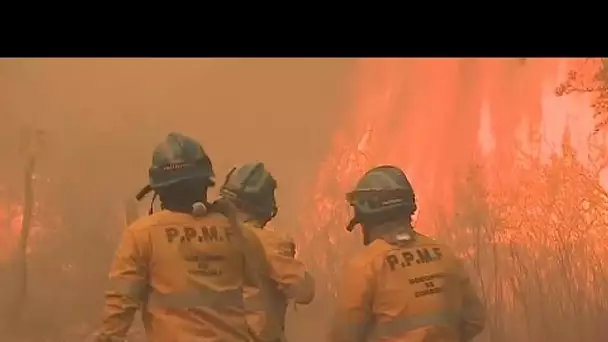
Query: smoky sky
[[104, 116]]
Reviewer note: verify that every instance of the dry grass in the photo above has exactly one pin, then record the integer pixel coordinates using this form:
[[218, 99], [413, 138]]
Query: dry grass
[[536, 248]]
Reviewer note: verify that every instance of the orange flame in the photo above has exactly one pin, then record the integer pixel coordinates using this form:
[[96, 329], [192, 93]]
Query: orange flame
[[436, 118]]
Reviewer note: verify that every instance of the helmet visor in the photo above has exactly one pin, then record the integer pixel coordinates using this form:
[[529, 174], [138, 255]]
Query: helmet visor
[[379, 195]]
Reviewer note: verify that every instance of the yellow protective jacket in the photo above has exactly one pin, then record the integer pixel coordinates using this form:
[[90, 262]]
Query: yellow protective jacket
[[415, 290], [186, 274], [288, 280]]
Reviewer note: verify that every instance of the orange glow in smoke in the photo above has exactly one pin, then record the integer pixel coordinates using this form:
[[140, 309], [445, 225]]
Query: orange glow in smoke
[[11, 219], [539, 158]]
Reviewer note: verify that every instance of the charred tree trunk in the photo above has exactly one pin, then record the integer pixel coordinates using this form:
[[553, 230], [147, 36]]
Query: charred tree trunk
[[31, 143], [20, 261]]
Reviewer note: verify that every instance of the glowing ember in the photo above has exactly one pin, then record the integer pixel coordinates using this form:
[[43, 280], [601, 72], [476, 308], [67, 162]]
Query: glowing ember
[[505, 169]]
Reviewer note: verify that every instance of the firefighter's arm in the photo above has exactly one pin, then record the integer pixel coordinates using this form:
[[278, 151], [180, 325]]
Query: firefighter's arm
[[354, 303], [291, 274], [126, 288], [473, 317]]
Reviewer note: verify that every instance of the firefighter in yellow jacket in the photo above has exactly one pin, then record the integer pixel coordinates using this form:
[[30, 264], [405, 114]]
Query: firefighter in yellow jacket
[[181, 266], [251, 187], [403, 286]]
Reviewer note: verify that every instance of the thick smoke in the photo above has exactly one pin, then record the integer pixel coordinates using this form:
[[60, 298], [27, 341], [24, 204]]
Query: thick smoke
[[102, 118]]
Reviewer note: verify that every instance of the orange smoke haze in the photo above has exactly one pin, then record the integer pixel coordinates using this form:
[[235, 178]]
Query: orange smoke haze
[[103, 117]]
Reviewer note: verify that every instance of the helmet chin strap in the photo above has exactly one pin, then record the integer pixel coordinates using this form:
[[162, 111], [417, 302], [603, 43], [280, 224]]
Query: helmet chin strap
[[151, 211], [352, 224], [269, 218], [143, 192]]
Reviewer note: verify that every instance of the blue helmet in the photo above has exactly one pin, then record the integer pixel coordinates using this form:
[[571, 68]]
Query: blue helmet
[[252, 187], [382, 193], [176, 159]]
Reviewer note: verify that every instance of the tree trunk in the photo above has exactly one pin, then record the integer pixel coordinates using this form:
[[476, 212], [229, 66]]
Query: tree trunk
[[20, 260]]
